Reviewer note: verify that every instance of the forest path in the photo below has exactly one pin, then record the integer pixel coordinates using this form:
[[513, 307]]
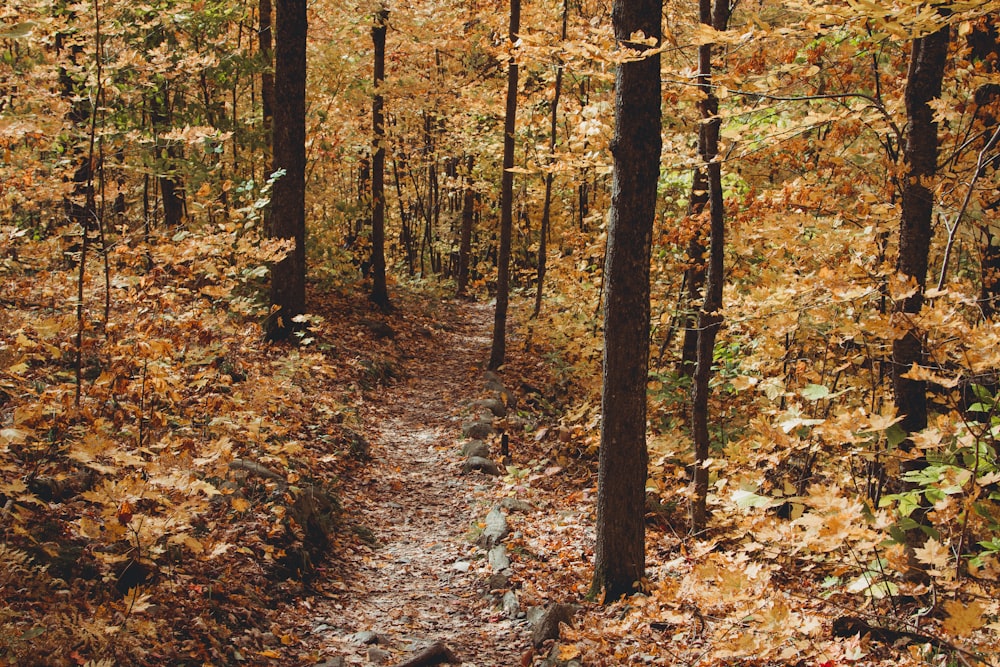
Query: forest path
[[424, 580]]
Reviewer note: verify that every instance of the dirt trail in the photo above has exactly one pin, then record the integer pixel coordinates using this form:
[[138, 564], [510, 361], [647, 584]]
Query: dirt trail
[[424, 581]]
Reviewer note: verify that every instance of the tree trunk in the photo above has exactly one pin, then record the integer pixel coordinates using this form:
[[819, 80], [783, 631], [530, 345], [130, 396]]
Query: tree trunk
[[267, 73], [171, 191], [694, 274], [433, 195], [927, 62], [265, 44], [709, 319], [380, 293], [543, 232], [288, 198], [619, 555], [465, 238], [499, 349], [406, 236]]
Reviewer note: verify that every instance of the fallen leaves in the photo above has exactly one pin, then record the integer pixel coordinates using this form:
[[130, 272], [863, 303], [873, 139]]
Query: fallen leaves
[[962, 620]]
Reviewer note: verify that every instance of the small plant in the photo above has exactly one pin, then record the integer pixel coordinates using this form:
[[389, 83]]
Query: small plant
[[958, 481]]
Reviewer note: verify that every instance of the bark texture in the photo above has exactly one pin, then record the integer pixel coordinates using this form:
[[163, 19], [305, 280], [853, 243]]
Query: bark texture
[[543, 232], [499, 349], [380, 291], [715, 14], [927, 63], [619, 556], [264, 35], [465, 240], [288, 198]]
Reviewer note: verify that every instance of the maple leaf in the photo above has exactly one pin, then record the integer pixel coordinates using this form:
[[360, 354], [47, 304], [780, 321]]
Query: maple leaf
[[963, 620], [932, 553], [882, 422], [923, 374]]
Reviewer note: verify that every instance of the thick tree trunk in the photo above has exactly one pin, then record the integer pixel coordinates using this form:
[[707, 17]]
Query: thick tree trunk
[[709, 320], [927, 62], [380, 293], [288, 198], [499, 349], [619, 554]]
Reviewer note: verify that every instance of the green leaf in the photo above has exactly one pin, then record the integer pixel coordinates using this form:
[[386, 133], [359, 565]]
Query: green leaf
[[982, 393], [18, 30], [744, 498], [895, 435], [814, 392], [906, 503], [991, 545]]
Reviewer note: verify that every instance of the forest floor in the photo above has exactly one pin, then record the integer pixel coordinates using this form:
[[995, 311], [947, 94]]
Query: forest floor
[[202, 498], [755, 590], [422, 579]]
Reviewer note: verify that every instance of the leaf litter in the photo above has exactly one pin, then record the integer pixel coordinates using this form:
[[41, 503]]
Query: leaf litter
[[216, 501]]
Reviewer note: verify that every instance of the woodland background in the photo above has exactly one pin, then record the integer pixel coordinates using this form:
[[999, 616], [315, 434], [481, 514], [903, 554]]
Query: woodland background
[[135, 180]]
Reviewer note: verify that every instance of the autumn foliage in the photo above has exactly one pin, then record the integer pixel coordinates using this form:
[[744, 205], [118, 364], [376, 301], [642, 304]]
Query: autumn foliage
[[170, 483]]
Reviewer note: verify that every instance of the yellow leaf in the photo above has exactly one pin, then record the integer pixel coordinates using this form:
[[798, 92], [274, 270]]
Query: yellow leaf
[[89, 528], [13, 435], [882, 422], [568, 652], [189, 541], [270, 654], [639, 37], [921, 373], [240, 504], [963, 620], [930, 438], [744, 382]]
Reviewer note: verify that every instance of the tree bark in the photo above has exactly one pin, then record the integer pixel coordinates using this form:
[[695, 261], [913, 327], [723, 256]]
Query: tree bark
[[694, 273], [499, 349], [543, 232], [619, 555], [171, 189], [927, 63], [380, 292], [266, 45], [288, 198], [715, 14], [267, 73], [465, 238]]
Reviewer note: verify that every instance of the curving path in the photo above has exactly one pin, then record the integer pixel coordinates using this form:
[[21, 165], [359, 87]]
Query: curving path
[[425, 579]]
